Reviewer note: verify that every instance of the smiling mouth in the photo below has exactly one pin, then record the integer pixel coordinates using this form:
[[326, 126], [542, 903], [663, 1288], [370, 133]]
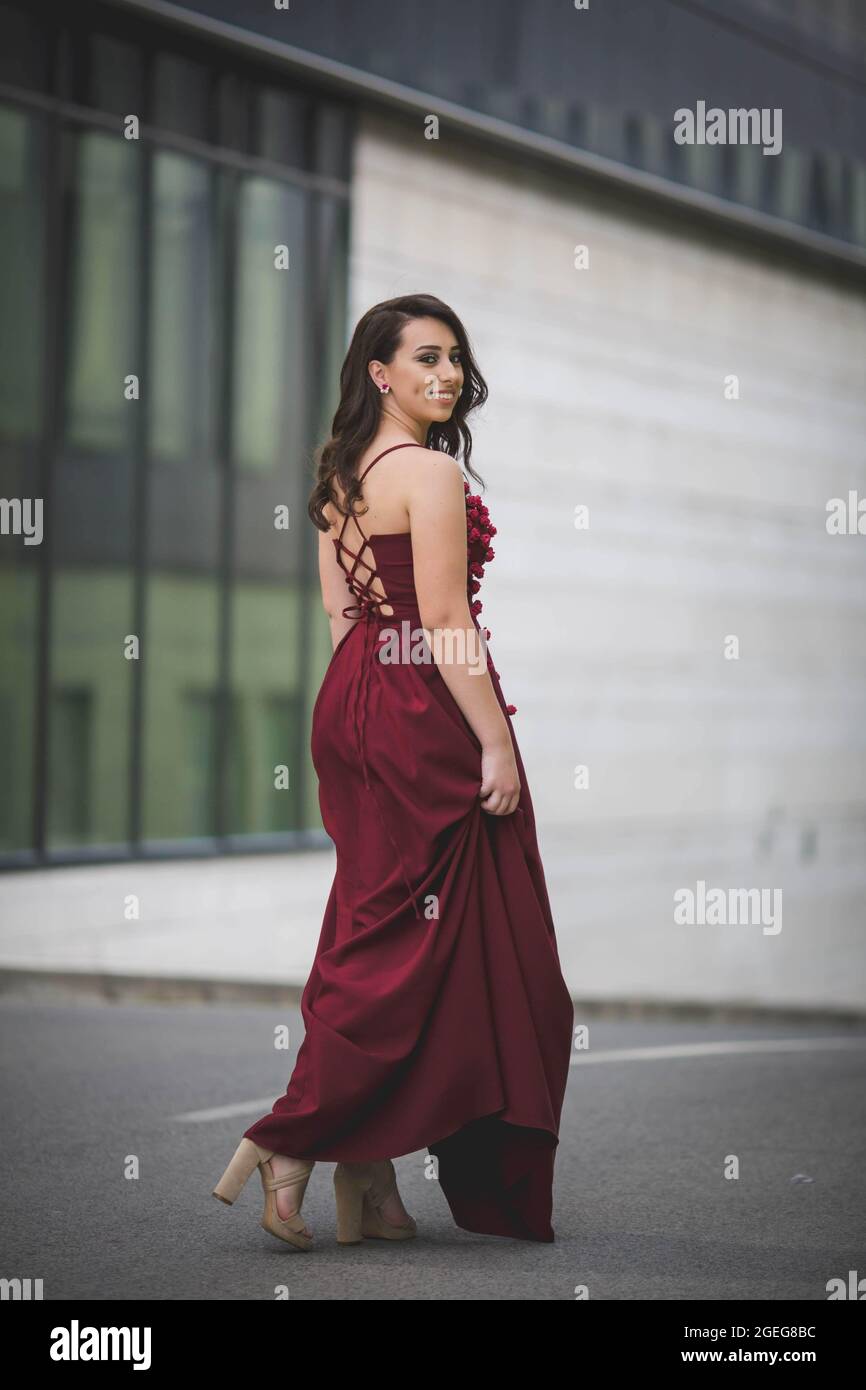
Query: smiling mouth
[[443, 395]]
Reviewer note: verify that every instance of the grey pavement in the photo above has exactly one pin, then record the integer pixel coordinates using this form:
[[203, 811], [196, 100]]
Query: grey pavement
[[654, 1112]]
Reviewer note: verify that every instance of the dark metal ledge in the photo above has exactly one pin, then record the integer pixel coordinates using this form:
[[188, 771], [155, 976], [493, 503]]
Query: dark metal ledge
[[352, 81]]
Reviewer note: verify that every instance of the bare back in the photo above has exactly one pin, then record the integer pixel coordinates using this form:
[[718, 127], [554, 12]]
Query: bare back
[[381, 510]]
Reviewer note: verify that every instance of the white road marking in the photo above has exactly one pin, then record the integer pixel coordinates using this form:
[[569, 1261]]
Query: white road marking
[[717, 1049], [228, 1112], [582, 1059]]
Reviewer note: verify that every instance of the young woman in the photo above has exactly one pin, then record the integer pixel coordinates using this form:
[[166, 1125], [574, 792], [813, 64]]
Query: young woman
[[436, 1014]]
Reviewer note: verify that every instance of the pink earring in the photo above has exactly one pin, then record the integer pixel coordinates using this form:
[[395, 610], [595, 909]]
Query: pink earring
[[384, 389]]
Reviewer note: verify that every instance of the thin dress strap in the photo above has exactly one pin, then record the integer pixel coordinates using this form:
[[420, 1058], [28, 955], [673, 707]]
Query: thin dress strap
[[410, 444]]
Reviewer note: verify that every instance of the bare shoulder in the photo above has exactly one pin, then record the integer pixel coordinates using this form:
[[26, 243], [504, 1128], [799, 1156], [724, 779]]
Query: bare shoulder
[[434, 476]]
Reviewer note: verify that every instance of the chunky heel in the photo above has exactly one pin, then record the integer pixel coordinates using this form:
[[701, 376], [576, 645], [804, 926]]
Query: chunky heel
[[246, 1159], [249, 1156], [373, 1222], [350, 1187]]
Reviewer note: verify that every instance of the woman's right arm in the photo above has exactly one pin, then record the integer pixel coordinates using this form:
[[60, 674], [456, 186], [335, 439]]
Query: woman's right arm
[[437, 516]]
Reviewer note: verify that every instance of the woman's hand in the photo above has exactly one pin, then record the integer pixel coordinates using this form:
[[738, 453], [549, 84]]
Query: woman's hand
[[500, 780]]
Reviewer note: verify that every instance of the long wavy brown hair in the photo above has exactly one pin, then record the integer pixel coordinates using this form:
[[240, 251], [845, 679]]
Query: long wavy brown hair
[[377, 336]]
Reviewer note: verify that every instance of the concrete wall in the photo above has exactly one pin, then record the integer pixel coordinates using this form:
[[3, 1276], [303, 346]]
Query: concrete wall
[[706, 519]]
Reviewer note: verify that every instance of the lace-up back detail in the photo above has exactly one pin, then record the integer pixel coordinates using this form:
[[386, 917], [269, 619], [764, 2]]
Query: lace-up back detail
[[362, 588]]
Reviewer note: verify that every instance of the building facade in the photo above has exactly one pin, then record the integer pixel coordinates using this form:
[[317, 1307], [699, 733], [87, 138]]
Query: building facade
[[674, 337]]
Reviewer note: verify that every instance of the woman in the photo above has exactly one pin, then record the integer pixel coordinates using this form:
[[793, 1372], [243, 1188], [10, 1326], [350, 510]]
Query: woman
[[436, 1014]]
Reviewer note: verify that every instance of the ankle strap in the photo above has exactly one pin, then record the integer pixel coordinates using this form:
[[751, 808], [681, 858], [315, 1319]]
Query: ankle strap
[[288, 1179]]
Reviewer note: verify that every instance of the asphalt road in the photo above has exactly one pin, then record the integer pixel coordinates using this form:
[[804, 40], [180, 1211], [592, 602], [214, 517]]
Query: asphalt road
[[643, 1209]]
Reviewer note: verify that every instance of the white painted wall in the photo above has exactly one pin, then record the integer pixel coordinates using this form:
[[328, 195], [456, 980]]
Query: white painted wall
[[707, 518]]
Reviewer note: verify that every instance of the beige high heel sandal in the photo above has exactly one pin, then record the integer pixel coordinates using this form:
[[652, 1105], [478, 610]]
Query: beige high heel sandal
[[248, 1156], [360, 1192]]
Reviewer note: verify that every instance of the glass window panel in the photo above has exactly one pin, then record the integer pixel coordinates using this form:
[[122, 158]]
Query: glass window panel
[[181, 707], [271, 417], [70, 767], [89, 707], [702, 166], [179, 755], [232, 112], [91, 680], [331, 141], [116, 79], [19, 617], [181, 366], [101, 349], [194, 809], [858, 199], [281, 731], [21, 252], [267, 689], [283, 122], [267, 397], [180, 95], [24, 54], [22, 311], [792, 184]]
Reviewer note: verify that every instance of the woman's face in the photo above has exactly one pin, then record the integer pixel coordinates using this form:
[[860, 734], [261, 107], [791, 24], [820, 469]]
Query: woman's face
[[426, 374]]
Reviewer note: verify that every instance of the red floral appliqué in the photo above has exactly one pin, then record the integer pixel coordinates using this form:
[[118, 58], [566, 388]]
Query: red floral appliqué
[[479, 533]]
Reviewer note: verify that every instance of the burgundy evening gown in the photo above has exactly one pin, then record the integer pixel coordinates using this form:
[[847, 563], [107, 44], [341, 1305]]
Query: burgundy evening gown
[[437, 1017]]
